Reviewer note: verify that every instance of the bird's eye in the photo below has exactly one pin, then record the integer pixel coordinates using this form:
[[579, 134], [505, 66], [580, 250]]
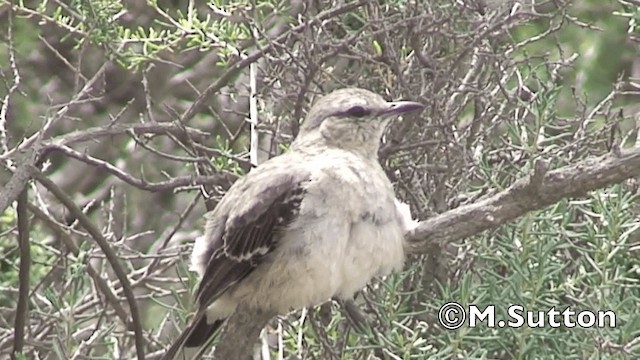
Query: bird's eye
[[358, 111]]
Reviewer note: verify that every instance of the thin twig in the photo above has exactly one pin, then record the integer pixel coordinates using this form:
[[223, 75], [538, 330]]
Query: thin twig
[[111, 130], [253, 116], [43, 133], [235, 68], [164, 240], [136, 320], [173, 184], [62, 232], [4, 109]]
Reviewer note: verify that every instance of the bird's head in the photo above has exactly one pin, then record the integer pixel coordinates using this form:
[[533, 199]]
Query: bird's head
[[351, 118]]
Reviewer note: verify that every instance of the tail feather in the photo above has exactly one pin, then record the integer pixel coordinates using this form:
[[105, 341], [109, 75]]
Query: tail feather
[[194, 340], [202, 333]]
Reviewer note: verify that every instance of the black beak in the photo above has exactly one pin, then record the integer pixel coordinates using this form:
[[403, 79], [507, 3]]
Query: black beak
[[400, 107]]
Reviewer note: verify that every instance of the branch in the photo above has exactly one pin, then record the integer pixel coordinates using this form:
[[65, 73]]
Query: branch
[[138, 129], [235, 68], [35, 140], [96, 234], [62, 232], [18, 180], [22, 310], [175, 183], [538, 191], [241, 333], [110, 130]]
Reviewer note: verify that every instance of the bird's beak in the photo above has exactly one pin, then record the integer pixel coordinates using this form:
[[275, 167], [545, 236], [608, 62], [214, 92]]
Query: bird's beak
[[400, 107]]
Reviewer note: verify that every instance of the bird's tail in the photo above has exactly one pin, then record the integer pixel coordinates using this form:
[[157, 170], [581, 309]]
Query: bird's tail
[[194, 340]]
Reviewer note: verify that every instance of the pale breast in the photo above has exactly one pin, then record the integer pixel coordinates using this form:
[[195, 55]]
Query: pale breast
[[374, 244], [346, 233]]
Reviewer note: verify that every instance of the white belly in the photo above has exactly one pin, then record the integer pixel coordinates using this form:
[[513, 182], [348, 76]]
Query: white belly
[[372, 251], [345, 235], [316, 263]]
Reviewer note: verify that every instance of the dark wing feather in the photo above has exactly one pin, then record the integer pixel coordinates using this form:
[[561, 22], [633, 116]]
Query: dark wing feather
[[249, 234]]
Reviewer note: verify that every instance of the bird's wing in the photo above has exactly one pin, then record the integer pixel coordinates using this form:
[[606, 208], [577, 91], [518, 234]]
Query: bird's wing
[[244, 228]]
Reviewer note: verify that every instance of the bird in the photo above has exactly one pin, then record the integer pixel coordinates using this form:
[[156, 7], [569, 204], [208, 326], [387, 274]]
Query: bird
[[317, 222]]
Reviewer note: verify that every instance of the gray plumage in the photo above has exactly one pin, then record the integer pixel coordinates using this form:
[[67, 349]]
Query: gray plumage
[[317, 222]]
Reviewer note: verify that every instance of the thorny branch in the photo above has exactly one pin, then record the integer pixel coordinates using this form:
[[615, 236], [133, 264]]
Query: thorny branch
[[235, 69], [114, 261], [71, 246]]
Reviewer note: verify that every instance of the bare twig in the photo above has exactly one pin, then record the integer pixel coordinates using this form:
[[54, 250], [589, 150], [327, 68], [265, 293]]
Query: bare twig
[[33, 145], [4, 108], [118, 129], [253, 115], [163, 241], [136, 320], [43, 133], [111, 130], [71, 246], [234, 69], [173, 184]]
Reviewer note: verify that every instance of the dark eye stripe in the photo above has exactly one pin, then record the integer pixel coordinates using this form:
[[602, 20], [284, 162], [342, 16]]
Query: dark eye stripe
[[358, 111]]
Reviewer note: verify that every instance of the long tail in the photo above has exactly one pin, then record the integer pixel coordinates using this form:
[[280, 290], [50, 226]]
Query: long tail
[[194, 340]]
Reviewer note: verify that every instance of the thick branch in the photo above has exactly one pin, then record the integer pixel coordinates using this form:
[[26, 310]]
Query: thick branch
[[22, 310], [241, 334], [18, 181], [539, 190]]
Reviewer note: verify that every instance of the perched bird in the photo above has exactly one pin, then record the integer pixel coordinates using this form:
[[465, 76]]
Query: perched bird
[[315, 223]]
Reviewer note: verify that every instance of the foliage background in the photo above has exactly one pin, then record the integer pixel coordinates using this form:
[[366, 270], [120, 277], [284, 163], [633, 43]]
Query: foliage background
[[143, 106]]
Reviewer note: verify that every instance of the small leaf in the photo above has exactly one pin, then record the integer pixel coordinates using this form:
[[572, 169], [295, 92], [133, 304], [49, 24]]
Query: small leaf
[[377, 48]]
